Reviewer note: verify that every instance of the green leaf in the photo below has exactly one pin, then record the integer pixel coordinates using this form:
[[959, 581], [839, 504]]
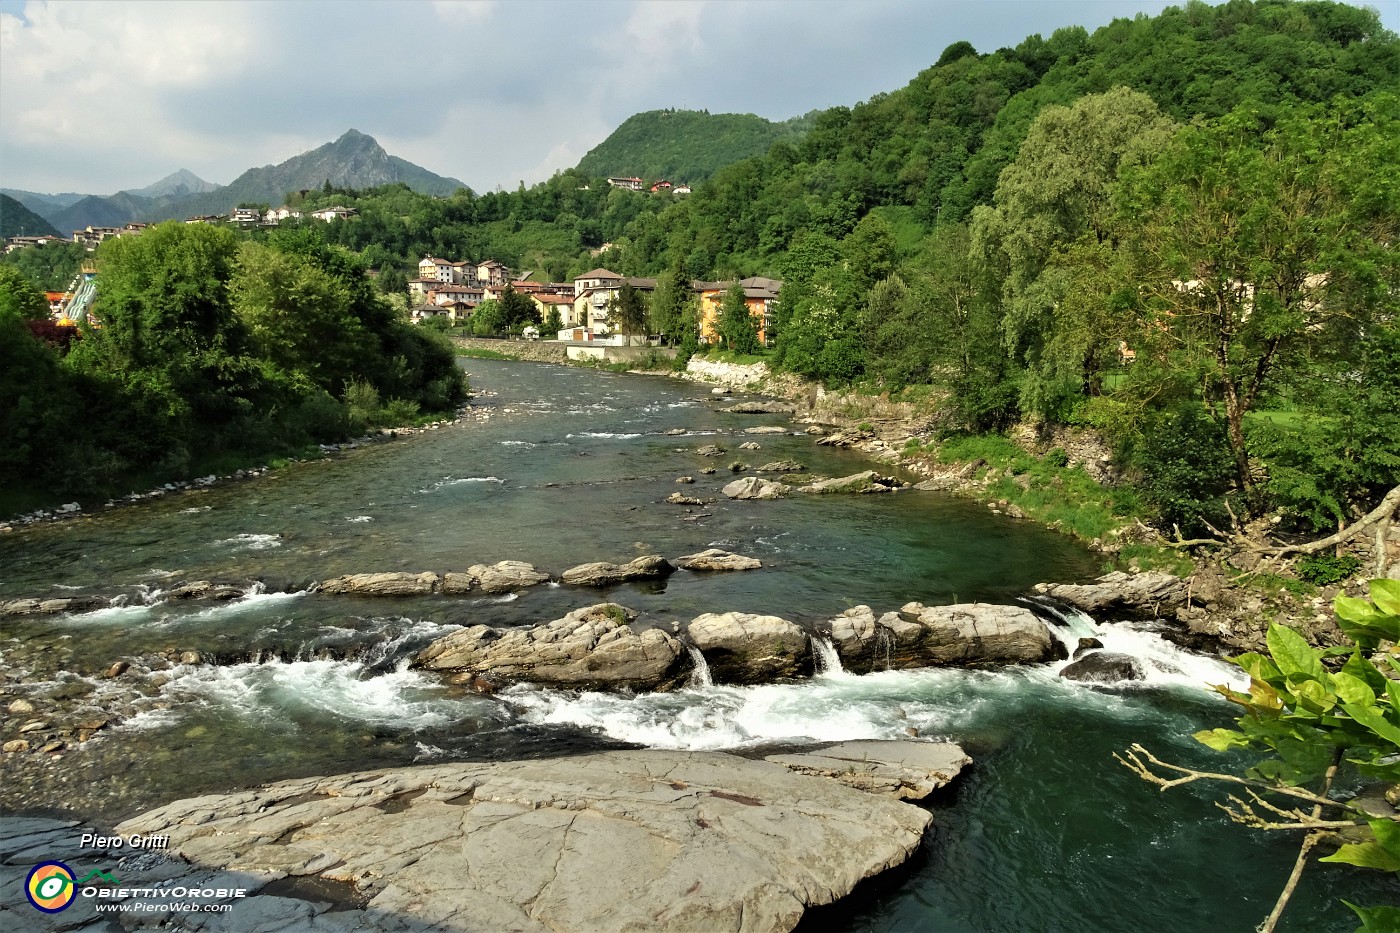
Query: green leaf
[[1293, 655], [1376, 919], [1364, 855], [1387, 833], [1386, 595], [1353, 689], [1222, 740], [1371, 718], [1258, 667], [1352, 609]]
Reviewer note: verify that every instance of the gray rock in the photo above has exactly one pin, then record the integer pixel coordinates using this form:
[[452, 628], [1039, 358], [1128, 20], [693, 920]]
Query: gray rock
[[716, 559], [1104, 667], [750, 445], [856, 482], [623, 840], [501, 577], [382, 584], [761, 408], [755, 487], [921, 636], [602, 573], [1151, 593], [204, 589], [741, 648], [710, 450], [766, 429], [903, 770], [676, 498], [591, 647]]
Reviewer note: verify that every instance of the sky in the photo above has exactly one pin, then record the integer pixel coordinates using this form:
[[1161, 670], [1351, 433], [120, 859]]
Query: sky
[[101, 96]]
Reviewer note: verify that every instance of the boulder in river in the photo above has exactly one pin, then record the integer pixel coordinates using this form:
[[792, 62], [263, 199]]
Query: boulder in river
[[501, 577], [865, 481], [920, 636], [717, 559], [755, 487], [382, 584], [641, 839], [1151, 593], [602, 573], [205, 589], [592, 648], [710, 450], [741, 648], [1104, 667]]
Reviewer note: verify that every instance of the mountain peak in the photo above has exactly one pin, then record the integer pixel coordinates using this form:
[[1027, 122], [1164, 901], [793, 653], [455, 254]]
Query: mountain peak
[[182, 182]]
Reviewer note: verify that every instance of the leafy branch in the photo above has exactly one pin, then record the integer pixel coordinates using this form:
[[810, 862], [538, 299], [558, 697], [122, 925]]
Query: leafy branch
[[1309, 717]]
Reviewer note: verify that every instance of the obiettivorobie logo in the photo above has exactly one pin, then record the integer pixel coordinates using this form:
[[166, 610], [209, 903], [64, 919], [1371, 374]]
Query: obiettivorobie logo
[[51, 886]]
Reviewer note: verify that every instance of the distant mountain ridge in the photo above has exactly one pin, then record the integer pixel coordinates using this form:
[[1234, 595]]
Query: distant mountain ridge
[[686, 145], [355, 160]]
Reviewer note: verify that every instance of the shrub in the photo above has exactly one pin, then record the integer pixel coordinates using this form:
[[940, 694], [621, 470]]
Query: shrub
[[1324, 569], [1057, 457]]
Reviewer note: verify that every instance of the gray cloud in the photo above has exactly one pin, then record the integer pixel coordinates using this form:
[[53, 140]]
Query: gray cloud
[[98, 96]]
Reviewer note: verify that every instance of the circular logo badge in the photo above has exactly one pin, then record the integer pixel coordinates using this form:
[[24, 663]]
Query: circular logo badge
[[50, 887]]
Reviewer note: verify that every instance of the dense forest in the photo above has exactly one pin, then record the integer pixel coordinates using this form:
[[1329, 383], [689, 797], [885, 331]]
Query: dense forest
[[213, 350], [1177, 230], [686, 145]]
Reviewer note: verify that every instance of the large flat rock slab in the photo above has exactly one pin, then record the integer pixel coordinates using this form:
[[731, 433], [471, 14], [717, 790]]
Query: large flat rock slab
[[617, 841], [903, 770]]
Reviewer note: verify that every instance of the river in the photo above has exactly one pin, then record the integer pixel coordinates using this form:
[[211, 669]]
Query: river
[[1045, 832]]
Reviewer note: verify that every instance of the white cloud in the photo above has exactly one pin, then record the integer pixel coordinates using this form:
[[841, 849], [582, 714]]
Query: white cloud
[[97, 96]]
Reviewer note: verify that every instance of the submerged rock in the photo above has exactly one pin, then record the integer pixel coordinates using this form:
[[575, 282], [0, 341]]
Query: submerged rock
[[593, 648], [1151, 593], [920, 636], [382, 584], [602, 573], [621, 840], [903, 770], [741, 648], [1104, 667], [781, 466]]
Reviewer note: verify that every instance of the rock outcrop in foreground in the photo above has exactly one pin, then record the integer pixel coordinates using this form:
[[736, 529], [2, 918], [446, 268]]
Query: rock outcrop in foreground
[[617, 841]]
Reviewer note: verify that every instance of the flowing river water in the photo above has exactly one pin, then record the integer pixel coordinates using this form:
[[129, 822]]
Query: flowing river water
[[1045, 832]]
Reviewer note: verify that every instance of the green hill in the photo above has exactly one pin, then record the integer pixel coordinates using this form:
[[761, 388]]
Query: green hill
[[18, 220], [685, 145]]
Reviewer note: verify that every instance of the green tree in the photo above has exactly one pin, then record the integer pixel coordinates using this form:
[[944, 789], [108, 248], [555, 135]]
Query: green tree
[[627, 311], [1051, 234], [299, 316], [736, 324], [669, 302], [19, 299], [1259, 246]]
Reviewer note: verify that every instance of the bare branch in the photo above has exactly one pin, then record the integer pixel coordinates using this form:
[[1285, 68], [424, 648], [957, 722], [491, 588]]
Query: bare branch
[[1133, 760]]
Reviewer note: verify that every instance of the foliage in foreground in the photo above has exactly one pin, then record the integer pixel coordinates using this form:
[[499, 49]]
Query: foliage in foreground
[[1316, 717]]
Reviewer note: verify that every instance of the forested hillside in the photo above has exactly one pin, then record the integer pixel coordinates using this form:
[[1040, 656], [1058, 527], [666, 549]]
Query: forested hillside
[[18, 220], [685, 145]]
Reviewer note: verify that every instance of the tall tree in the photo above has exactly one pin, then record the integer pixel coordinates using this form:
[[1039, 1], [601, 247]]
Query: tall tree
[[1263, 247], [1052, 221], [627, 311], [736, 325]]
